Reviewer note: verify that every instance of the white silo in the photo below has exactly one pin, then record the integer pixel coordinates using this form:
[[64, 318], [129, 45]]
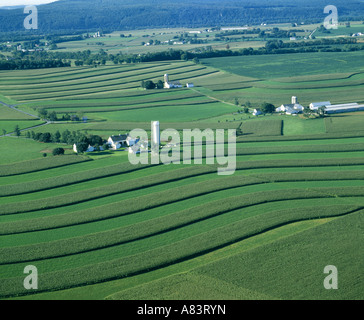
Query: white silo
[[155, 133], [166, 78], [294, 100]]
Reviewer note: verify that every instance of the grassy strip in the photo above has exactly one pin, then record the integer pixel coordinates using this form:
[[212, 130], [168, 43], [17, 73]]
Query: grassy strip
[[77, 90], [334, 135], [39, 164], [120, 102], [145, 202], [141, 230], [190, 171], [169, 254], [301, 149], [177, 103], [117, 71], [103, 82]]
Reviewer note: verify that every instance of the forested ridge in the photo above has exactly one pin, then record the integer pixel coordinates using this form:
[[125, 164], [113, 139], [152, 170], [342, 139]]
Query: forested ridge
[[127, 15]]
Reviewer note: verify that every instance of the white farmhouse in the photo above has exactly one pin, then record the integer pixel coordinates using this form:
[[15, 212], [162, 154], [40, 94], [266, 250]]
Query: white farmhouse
[[257, 112], [290, 108], [116, 142]]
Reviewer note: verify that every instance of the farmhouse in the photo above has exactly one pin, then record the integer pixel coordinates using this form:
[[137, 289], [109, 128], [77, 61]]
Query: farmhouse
[[116, 142], [171, 84], [293, 108], [257, 112], [290, 108]]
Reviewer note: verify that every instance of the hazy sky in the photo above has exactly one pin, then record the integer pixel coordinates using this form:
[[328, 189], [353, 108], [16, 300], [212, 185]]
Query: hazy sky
[[4, 3]]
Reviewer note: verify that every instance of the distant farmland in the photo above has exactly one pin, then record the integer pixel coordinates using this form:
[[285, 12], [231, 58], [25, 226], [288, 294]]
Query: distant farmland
[[98, 227]]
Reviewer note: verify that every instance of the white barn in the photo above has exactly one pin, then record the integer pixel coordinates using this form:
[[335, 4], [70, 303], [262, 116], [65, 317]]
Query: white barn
[[171, 84], [290, 108], [316, 105], [347, 107]]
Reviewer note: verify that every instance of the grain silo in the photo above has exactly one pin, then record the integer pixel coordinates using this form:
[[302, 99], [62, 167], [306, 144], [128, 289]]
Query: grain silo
[[155, 133]]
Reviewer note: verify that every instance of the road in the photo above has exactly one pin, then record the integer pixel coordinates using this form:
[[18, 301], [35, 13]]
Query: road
[[27, 113]]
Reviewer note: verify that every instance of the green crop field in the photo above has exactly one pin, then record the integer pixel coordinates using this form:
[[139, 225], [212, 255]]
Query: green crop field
[[98, 227]]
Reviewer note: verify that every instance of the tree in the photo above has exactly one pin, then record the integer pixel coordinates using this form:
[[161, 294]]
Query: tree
[[81, 147], [45, 137], [42, 113], [160, 84], [17, 131], [149, 84], [58, 151], [95, 140], [4, 132], [56, 137], [268, 107], [52, 116], [321, 111], [239, 130]]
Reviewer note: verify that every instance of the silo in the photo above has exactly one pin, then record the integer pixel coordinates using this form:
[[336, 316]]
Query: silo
[[294, 100], [155, 133], [166, 78]]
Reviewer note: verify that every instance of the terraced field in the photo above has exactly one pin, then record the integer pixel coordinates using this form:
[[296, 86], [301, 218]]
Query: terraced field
[[97, 227]]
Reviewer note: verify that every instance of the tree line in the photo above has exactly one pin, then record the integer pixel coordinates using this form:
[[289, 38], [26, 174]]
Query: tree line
[[46, 59], [81, 139]]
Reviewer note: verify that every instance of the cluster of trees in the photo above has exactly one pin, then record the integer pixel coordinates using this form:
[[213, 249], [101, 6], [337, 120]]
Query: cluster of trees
[[149, 84], [52, 116], [19, 64], [66, 137]]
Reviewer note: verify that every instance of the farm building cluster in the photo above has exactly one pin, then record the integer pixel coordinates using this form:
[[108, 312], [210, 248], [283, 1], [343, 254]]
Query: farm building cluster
[[174, 84], [113, 143], [295, 107], [126, 141]]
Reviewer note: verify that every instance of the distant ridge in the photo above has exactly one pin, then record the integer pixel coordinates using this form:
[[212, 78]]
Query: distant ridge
[[138, 14]]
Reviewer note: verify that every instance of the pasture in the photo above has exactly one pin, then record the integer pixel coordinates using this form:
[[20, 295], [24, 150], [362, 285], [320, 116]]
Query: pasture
[[98, 227]]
